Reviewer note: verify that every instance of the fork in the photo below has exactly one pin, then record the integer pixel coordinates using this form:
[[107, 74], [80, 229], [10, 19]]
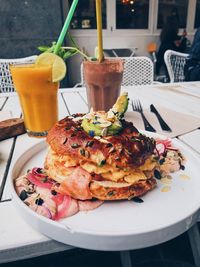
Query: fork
[[136, 105]]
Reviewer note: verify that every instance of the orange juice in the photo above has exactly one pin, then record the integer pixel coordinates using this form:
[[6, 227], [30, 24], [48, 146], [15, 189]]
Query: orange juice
[[38, 97]]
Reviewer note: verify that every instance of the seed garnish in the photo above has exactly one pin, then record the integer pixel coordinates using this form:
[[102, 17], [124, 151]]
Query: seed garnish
[[102, 163], [39, 201], [82, 152], [65, 141], [137, 199], [75, 145], [90, 143], [111, 193], [23, 195], [157, 174]]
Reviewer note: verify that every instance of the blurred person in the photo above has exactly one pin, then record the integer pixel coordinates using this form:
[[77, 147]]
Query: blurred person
[[192, 66], [170, 39]]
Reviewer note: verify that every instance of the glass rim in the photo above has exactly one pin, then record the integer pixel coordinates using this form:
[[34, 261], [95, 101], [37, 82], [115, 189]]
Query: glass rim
[[21, 63], [105, 61]]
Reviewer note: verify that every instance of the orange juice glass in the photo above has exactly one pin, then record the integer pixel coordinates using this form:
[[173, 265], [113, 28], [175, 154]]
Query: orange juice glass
[[38, 97]]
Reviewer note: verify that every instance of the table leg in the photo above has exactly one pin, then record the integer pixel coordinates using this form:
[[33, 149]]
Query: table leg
[[194, 237], [125, 257]]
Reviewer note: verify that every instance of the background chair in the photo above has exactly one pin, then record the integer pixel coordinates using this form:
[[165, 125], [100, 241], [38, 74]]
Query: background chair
[[152, 50], [175, 62], [120, 52], [6, 84], [137, 71]]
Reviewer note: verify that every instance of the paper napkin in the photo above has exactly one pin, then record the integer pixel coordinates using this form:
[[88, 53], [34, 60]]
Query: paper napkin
[[179, 123]]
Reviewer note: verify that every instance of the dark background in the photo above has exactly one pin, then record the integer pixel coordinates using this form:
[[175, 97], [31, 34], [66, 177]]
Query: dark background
[[27, 24]]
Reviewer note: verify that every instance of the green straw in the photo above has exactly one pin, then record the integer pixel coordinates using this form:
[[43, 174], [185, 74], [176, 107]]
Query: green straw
[[65, 26]]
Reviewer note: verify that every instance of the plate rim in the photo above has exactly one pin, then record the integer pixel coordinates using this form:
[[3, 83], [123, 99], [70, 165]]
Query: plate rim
[[41, 145]]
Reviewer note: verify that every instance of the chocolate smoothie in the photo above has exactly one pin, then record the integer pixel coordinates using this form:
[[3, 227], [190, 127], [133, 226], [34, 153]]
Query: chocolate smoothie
[[103, 82]]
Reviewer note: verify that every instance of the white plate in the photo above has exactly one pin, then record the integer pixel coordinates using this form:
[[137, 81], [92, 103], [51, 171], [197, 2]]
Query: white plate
[[121, 225]]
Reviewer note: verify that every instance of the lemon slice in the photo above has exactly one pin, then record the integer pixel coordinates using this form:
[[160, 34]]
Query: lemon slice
[[59, 68]]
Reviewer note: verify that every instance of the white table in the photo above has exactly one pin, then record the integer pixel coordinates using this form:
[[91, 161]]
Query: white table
[[17, 239]]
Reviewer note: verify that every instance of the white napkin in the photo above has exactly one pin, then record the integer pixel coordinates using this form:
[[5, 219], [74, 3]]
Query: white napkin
[[178, 122]]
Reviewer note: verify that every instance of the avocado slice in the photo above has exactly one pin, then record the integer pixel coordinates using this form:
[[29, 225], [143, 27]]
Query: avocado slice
[[121, 105], [95, 130], [94, 126]]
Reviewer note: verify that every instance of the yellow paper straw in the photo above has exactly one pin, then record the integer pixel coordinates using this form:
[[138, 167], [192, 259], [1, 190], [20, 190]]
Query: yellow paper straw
[[99, 30]]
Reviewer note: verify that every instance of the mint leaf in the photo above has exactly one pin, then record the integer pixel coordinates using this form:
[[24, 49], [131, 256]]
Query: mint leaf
[[43, 48], [64, 52], [70, 53]]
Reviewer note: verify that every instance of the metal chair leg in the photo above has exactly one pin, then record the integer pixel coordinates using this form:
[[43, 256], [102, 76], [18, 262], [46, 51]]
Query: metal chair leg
[[194, 238], [125, 258]]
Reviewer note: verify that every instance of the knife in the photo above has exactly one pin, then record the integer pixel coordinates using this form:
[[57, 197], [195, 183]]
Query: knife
[[163, 124]]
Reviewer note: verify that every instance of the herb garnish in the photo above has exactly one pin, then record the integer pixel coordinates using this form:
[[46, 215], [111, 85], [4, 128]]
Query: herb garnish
[[65, 51]]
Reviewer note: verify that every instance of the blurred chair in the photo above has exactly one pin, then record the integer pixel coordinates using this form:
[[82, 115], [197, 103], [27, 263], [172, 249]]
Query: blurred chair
[[124, 52], [151, 48], [108, 53], [137, 71], [6, 84], [82, 82], [120, 52], [175, 62]]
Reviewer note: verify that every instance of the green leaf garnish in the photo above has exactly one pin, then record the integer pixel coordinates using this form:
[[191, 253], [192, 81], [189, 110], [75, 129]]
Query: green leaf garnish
[[65, 52]]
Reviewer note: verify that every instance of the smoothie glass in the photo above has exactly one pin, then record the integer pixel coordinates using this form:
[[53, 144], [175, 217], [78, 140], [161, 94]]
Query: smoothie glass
[[38, 97], [103, 82]]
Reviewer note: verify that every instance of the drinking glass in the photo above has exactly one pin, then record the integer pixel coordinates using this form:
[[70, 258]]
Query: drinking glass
[[38, 97], [103, 82]]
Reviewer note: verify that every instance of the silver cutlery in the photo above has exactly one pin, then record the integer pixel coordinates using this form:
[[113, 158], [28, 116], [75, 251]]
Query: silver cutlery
[[136, 105], [163, 124]]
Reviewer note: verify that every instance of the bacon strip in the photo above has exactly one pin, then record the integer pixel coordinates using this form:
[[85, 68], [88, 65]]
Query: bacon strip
[[87, 205], [76, 184]]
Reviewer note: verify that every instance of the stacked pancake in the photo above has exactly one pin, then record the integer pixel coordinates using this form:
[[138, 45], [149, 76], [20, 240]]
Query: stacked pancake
[[107, 167]]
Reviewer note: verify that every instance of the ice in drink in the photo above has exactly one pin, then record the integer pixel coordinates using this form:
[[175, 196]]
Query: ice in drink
[[103, 82], [38, 97]]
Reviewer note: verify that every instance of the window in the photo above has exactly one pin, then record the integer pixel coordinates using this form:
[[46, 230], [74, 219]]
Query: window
[[126, 16], [175, 8], [197, 16], [85, 15], [132, 14]]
